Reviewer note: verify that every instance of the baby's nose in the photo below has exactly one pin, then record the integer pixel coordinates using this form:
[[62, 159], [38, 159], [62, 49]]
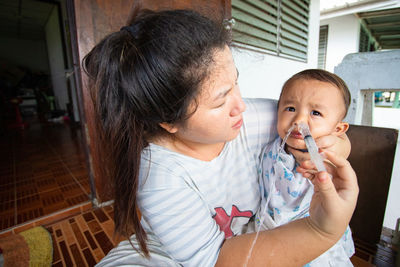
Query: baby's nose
[[300, 119]]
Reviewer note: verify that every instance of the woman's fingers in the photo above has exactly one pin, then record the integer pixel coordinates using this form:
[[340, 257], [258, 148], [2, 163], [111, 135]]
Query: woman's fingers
[[337, 166], [324, 185], [343, 167], [306, 167], [339, 144], [326, 141]]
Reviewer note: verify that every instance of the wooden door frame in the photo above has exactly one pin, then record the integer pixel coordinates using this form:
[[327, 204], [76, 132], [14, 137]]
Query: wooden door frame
[[70, 5]]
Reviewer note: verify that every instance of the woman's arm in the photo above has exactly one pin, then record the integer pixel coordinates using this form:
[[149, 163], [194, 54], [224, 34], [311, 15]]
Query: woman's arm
[[301, 241], [293, 244]]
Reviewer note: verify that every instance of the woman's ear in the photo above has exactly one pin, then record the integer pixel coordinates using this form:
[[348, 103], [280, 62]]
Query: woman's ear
[[341, 128], [168, 127]]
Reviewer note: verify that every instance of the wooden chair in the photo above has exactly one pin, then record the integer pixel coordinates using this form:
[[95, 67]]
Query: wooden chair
[[372, 157]]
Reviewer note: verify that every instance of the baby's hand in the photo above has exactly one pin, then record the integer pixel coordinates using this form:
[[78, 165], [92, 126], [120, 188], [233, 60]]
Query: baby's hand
[[338, 144]]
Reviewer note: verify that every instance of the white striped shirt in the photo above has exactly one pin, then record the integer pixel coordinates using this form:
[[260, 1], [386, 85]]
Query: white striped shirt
[[189, 205]]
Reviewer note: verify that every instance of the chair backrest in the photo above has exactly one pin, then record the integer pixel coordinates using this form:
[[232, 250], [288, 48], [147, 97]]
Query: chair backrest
[[372, 157]]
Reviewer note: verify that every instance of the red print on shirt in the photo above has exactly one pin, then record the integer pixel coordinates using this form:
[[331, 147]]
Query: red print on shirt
[[224, 220]]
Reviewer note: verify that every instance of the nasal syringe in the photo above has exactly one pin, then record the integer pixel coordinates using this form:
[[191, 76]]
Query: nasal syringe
[[312, 147]]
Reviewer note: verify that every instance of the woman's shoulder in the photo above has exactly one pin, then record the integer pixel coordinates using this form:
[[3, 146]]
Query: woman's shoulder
[[162, 167], [260, 104], [260, 119], [260, 110]]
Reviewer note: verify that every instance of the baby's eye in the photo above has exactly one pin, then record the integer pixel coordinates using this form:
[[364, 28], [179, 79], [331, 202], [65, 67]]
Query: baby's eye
[[291, 109], [316, 113], [220, 105]]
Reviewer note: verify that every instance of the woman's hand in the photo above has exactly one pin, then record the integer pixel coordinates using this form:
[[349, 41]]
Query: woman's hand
[[302, 240], [338, 144], [335, 199]]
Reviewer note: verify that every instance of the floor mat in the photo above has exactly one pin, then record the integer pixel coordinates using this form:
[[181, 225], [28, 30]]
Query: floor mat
[[32, 247]]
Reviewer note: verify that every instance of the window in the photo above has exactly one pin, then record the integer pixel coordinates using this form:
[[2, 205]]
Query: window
[[367, 43], [279, 27], [323, 43]]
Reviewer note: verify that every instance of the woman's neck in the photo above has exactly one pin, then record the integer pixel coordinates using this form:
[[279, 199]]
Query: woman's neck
[[204, 152]]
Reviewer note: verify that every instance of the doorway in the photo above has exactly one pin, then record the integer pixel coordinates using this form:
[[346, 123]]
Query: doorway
[[387, 109], [43, 167]]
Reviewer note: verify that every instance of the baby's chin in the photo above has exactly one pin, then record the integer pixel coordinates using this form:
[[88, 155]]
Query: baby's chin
[[297, 144]]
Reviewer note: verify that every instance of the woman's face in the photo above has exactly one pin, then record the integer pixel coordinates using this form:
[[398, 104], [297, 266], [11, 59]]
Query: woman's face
[[218, 117]]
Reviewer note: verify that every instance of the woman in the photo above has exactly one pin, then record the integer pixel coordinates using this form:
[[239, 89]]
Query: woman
[[184, 152]]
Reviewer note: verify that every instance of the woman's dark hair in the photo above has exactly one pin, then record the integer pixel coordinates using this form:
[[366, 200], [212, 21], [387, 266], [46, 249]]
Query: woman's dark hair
[[322, 76], [147, 73]]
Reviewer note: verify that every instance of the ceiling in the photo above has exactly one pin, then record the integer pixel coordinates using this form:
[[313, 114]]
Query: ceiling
[[384, 25], [24, 19], [380, 17]]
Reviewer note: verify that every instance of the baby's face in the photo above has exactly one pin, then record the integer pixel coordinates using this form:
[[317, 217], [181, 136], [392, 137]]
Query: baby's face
[[318, 104]]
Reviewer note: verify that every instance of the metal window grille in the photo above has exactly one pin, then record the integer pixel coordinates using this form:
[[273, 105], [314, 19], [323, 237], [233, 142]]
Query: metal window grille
[[367, 43], [323, 43], [279, 27], [363, 46]]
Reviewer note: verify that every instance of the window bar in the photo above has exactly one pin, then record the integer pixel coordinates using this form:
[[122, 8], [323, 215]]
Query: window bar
[[278, 29]]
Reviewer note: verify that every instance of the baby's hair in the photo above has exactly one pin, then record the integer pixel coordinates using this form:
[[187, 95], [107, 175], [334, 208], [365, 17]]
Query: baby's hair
[[323, 76]]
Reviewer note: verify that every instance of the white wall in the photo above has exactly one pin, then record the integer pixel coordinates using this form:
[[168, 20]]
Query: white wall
[[262, 75], [375, 70], [26, 53], [343, 39], [56, 60], [388, 117]]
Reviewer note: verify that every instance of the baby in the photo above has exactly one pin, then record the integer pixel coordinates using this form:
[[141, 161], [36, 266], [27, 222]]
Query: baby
[[319, 99]]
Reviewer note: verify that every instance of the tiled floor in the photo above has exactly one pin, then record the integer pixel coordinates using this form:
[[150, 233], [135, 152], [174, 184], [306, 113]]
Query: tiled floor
[[86, 237], [83, 240], [42, 171]]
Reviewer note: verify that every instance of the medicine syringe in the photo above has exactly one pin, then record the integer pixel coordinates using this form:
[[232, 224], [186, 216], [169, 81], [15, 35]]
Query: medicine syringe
[[312, 147]]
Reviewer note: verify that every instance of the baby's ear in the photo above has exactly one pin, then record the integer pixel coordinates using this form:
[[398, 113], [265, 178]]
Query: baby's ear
[[341, 128]]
